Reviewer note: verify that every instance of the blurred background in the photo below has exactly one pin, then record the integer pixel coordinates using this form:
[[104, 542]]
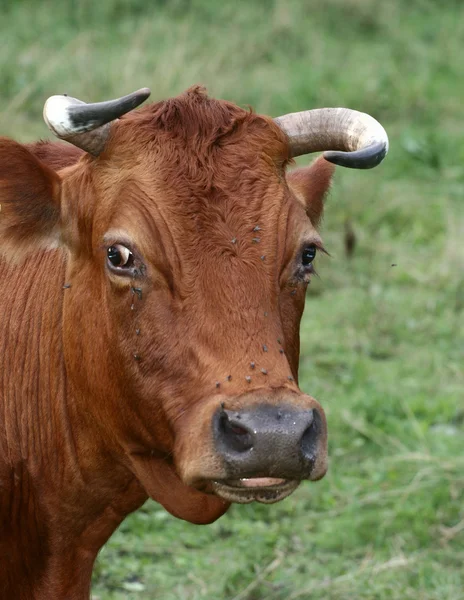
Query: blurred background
[[382, 335]]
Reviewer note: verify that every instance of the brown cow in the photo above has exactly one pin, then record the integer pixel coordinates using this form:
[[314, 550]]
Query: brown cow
[[153, 285]]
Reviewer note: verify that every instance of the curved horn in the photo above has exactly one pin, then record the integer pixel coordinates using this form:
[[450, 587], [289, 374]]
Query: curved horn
[[88, 125], [350, 138]]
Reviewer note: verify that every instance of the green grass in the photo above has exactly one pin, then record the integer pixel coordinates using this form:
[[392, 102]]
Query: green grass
[[382, 345]]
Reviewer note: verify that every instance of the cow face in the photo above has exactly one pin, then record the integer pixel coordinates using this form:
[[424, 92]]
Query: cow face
[[189, 250]]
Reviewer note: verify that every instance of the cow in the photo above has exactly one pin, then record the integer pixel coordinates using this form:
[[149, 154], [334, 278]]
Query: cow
[[154, 272]]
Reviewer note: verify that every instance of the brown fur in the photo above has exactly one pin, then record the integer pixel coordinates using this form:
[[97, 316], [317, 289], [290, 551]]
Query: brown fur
[[106, 395], [55, 155], [29, 193]]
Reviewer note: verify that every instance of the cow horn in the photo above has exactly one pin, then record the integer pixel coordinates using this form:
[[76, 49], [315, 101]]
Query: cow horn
[[348, 137], [88, 125]]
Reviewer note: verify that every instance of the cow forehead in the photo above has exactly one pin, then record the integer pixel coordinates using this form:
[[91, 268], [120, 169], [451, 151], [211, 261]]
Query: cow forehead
[[199, 140], [199, 121], [202, 167]]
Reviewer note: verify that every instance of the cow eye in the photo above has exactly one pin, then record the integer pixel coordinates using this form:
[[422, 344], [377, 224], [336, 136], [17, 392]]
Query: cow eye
[[309, 254], [119, 256]]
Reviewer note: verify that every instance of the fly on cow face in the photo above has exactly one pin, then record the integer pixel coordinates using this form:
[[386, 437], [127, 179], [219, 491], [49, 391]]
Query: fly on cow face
[[187, 212]]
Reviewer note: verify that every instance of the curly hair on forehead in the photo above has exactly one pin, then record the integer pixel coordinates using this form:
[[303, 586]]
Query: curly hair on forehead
[[201, 123]]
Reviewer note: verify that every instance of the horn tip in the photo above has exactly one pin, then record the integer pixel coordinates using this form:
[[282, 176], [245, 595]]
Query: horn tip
[[142, 94], [367, 158]]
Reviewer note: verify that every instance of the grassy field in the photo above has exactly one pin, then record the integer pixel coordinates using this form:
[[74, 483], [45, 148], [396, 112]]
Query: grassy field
[[383, 333]]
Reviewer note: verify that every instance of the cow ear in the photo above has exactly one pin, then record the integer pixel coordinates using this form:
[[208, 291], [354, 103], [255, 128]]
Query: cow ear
[[29, 202], [310, 185]]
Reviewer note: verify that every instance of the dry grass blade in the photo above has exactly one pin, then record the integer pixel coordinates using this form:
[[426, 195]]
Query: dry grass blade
[[449, 533], [376, 435], [260, 577], [397, 562]]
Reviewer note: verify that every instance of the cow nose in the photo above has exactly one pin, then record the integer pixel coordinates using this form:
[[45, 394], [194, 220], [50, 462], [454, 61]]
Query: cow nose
[[268, 441]]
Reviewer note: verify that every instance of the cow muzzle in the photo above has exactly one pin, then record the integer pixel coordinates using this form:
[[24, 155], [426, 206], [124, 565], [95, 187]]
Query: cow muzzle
[[266, 450]]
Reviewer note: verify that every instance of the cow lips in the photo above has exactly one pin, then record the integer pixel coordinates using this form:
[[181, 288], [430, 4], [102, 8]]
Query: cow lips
[[260, 489]]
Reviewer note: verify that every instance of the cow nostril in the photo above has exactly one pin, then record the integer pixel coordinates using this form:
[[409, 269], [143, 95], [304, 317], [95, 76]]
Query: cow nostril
[[237, 430], [234, 436], [310, 438]]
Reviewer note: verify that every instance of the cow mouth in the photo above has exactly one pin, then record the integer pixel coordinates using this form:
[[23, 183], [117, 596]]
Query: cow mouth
[[259, 489]]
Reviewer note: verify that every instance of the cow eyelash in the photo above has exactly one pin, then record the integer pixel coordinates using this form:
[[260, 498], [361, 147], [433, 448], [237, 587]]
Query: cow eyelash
[[304, 271], [309, 252]]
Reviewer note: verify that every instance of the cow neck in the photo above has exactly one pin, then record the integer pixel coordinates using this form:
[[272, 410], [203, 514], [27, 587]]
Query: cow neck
[[46, 495]]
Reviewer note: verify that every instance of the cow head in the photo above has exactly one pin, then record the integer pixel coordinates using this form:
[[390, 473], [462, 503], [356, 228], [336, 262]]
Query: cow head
[[189, 249]]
